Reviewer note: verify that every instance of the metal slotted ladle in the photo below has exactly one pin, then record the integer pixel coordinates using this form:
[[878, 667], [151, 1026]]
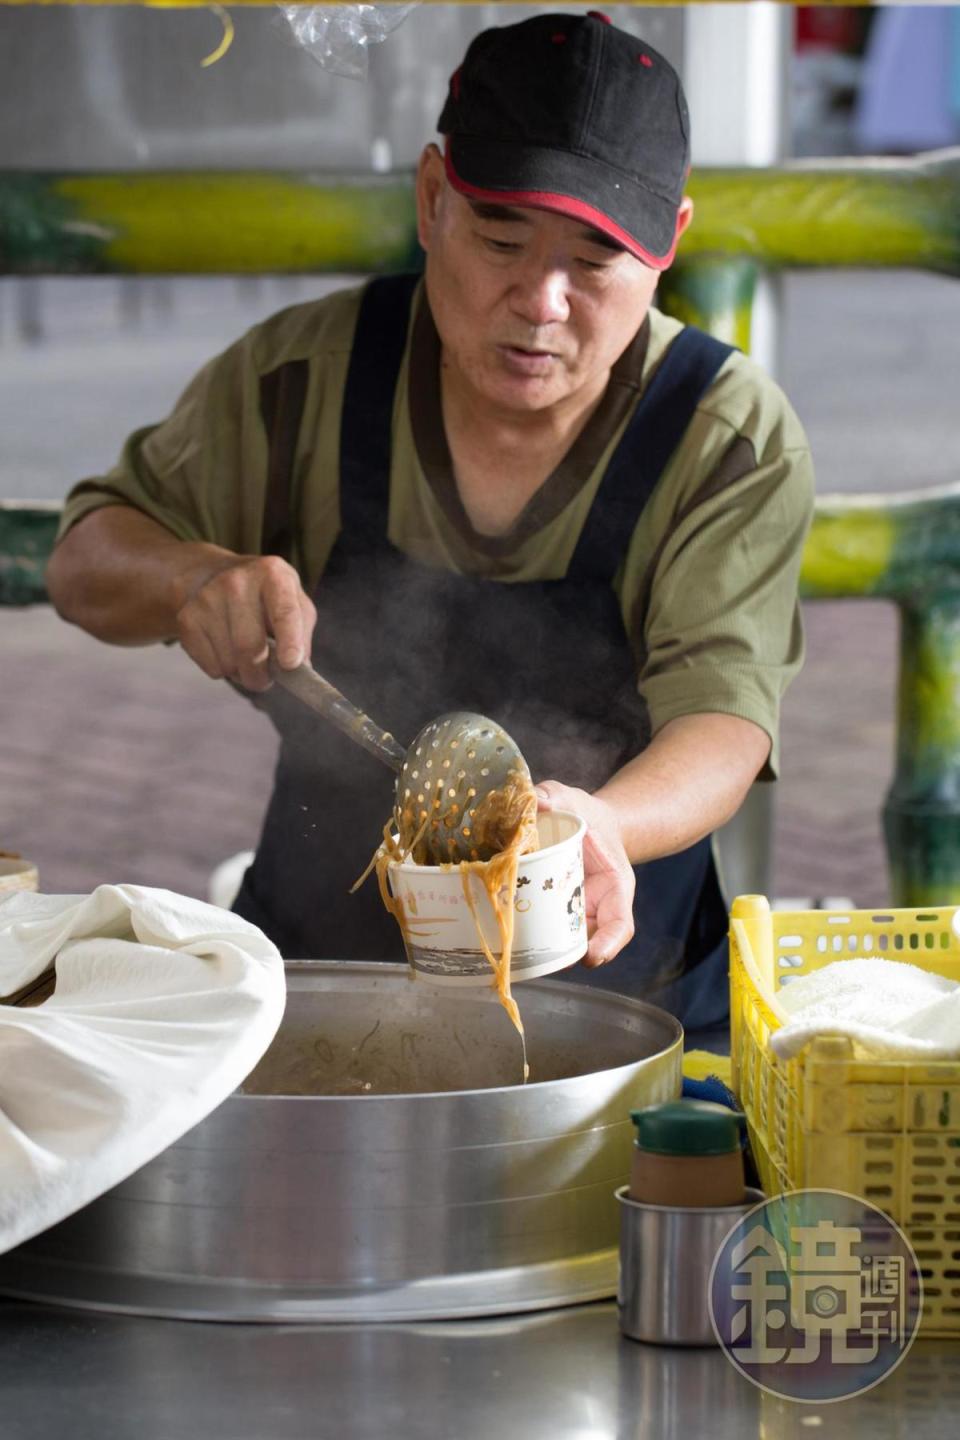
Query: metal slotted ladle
[[451, 766]]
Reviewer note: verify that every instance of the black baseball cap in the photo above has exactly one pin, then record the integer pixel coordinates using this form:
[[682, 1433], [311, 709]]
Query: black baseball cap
[[571, 114]]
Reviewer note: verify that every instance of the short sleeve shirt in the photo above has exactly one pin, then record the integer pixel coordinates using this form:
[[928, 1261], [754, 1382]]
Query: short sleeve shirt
[[708, 587]]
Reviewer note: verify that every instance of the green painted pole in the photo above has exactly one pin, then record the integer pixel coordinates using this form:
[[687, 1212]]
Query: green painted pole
[[907, 549], [714, 294], [27, 533], [896, 547], [251, 222], [921, 814], [864, 212]]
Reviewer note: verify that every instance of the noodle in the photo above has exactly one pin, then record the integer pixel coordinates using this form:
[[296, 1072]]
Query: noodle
[[505, 826]]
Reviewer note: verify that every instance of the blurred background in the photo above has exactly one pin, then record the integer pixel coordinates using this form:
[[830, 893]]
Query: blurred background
[[131, 765]]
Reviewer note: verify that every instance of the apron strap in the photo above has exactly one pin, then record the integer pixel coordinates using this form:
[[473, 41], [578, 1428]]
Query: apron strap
[[375, 360], [366, 420], [656, 428], [282, 395]]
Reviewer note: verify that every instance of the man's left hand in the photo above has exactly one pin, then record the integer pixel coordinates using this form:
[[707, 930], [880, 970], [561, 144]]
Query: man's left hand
[[608, 874]]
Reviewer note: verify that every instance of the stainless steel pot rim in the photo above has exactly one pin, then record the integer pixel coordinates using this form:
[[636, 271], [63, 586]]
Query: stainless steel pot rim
[[380, 968], [530, 1088], [578, 1280], [753, 1198]]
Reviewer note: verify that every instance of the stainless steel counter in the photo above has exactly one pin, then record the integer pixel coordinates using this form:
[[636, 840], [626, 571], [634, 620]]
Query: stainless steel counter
[[559, 1375]]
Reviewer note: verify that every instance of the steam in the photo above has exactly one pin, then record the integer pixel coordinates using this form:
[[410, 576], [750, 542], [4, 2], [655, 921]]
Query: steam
[[407, 643]]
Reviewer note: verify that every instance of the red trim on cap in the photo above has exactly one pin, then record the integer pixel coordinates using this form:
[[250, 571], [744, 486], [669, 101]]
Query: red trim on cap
[[645, 60], [564, 205], [599, 15], [455, 83]]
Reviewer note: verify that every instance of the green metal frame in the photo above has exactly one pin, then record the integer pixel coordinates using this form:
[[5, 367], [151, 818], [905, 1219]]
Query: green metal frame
[[902, 548], [27, 533], [868, 212], [906, 549]]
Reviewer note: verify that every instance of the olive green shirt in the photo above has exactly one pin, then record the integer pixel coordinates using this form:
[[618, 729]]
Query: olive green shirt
[[708, 588]]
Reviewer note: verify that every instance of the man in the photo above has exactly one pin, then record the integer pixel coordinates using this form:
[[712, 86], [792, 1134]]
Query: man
[[514, 488]]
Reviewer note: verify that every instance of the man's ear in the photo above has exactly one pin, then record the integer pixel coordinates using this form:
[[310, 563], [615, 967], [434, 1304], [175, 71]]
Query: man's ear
[[684, 215], [431, 182]]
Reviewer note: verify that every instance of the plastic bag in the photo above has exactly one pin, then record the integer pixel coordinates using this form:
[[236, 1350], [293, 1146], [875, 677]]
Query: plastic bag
[[338, 37]]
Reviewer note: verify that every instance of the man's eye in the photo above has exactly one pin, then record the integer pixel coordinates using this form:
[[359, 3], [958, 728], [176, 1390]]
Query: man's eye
[[594, 264], [503, 247]]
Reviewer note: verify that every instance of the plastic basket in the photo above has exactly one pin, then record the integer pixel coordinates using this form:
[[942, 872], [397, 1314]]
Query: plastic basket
[[888, 1131]]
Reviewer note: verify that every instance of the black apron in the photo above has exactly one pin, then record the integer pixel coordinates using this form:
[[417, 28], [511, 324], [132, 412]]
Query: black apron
[[550, 660]]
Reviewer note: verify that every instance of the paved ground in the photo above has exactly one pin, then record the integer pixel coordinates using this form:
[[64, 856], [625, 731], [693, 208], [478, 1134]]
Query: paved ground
[[131, 765], [124, 764], [838, 753]]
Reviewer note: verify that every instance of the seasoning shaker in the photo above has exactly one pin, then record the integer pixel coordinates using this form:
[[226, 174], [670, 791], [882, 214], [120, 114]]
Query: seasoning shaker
[[687, 1152], [685, 1195]]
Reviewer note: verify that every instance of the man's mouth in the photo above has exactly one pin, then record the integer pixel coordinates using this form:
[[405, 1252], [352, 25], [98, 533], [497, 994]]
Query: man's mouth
[[528, 362]]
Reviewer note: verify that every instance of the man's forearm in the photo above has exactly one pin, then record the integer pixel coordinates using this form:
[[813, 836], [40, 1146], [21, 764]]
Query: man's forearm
[[122, 577], [691, 779]]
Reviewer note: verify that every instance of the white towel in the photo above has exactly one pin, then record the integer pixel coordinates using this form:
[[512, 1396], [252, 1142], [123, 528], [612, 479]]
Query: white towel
[[162, 1006], [890, 1010]]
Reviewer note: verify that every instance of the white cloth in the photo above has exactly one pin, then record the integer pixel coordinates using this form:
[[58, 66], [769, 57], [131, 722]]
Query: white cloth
[[890, 1010], [162, 1006]]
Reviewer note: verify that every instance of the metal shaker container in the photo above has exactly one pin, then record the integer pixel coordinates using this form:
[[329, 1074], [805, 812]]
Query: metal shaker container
[[686, 1193], [666, 1256]]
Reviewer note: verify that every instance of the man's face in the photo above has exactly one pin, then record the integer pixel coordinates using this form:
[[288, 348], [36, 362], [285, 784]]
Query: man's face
[[532, 308]]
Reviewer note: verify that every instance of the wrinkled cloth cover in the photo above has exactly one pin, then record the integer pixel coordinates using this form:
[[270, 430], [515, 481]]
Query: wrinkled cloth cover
[[162, 1006], [890, 1010]]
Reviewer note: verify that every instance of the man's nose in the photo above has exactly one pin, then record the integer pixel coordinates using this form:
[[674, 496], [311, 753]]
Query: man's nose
[[540, 295]]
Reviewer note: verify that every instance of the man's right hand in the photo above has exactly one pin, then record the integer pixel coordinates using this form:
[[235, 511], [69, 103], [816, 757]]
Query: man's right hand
[[126, 579], [228, 613]]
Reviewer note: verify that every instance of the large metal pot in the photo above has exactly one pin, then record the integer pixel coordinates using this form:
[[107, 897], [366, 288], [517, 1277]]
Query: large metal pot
[[382, 1162]]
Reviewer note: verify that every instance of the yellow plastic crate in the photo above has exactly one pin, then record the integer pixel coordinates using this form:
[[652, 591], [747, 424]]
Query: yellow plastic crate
[[888, 1131]]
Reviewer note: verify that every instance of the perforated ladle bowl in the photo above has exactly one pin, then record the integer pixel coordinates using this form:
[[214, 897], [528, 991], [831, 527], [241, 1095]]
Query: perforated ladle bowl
[[451, 766]]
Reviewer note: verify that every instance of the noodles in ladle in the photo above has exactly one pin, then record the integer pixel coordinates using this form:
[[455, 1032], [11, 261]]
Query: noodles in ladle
[[504, 825]]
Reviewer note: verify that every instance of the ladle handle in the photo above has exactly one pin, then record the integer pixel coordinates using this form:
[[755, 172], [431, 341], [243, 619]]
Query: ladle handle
[[326, 700]]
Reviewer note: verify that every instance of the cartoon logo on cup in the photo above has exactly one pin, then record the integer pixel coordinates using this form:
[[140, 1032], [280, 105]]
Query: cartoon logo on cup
[[815, 1295], [575, 909]]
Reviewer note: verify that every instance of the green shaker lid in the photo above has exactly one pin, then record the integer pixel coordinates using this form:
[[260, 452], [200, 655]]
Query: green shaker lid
[[687, 1127]]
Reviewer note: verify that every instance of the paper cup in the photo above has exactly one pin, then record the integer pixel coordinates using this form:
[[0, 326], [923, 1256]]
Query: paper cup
[[550, 928]]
